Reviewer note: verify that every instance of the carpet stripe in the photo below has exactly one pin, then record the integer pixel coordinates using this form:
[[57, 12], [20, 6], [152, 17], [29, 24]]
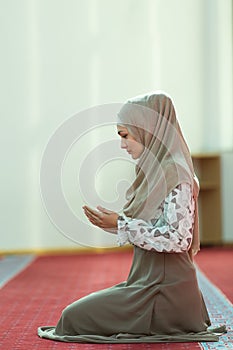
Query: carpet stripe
[[220, 310], [12, 265]]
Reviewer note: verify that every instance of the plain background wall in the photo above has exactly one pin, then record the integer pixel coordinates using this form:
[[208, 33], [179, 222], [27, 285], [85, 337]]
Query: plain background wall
[[227, 195], [60, 57]]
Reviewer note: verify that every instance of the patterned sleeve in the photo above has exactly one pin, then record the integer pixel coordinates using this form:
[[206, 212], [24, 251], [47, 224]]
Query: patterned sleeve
[[170, 230]]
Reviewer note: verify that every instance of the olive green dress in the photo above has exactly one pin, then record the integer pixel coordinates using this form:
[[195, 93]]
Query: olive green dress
[[159, 302]]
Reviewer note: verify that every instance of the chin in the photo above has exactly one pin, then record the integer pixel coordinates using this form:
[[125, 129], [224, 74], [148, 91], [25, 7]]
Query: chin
[[134, 156]]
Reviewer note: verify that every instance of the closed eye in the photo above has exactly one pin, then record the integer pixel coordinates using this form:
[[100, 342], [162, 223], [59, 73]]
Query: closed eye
[[123, 135]]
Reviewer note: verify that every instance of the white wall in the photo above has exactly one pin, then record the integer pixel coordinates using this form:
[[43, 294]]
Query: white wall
[[227, 195], [60, 57]]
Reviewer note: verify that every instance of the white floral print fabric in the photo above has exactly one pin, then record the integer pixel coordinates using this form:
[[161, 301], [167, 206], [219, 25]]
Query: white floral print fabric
[[171, 228]]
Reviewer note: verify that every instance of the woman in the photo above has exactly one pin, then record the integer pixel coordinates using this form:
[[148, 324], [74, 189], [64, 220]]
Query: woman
[[160, 301]]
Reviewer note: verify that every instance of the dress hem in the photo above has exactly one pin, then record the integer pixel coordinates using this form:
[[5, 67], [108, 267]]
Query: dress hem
[[205, 336]]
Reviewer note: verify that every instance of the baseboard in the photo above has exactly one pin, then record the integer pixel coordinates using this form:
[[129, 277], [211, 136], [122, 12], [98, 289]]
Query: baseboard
[[63, 251]]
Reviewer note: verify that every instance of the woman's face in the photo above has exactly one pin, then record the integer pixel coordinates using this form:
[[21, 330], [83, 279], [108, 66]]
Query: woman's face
[[129, 143]]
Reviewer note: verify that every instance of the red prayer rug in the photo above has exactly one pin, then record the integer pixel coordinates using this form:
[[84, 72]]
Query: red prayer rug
[[37, 295]]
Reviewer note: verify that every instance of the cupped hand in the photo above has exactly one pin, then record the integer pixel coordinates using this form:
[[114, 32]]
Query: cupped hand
[[102, 217]]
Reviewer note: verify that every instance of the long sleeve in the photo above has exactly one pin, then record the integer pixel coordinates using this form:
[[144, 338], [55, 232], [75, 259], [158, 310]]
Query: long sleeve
[[170, 230]]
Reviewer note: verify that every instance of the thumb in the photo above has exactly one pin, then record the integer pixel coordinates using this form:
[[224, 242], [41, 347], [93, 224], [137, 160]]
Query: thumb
[[103, 210]]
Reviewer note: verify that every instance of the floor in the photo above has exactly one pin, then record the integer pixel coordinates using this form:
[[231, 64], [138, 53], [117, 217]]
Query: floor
[[12, 267]]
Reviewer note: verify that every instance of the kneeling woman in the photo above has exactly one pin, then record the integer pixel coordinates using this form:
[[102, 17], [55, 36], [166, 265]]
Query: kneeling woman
[[160, 300]]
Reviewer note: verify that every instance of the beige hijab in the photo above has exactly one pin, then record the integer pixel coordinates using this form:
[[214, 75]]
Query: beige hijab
[[166, 161]]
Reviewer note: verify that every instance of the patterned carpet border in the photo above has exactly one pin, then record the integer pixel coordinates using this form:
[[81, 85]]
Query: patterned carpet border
[[220, 310]]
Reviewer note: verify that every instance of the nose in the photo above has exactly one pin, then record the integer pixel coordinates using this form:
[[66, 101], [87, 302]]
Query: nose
[[123, 143]]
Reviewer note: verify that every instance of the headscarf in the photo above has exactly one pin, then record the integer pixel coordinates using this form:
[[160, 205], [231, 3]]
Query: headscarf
[[165, 162]]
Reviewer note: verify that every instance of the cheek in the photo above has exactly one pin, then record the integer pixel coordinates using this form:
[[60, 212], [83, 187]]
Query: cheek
[[138, 147], [141, 148]]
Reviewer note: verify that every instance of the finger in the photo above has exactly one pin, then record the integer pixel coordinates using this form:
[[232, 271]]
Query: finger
[[92, 213], [93, 221], [88, 209], [104, 210], [89, 216], [87, 213]]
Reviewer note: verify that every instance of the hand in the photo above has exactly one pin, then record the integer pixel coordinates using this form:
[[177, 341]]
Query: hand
[[103, 218]]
